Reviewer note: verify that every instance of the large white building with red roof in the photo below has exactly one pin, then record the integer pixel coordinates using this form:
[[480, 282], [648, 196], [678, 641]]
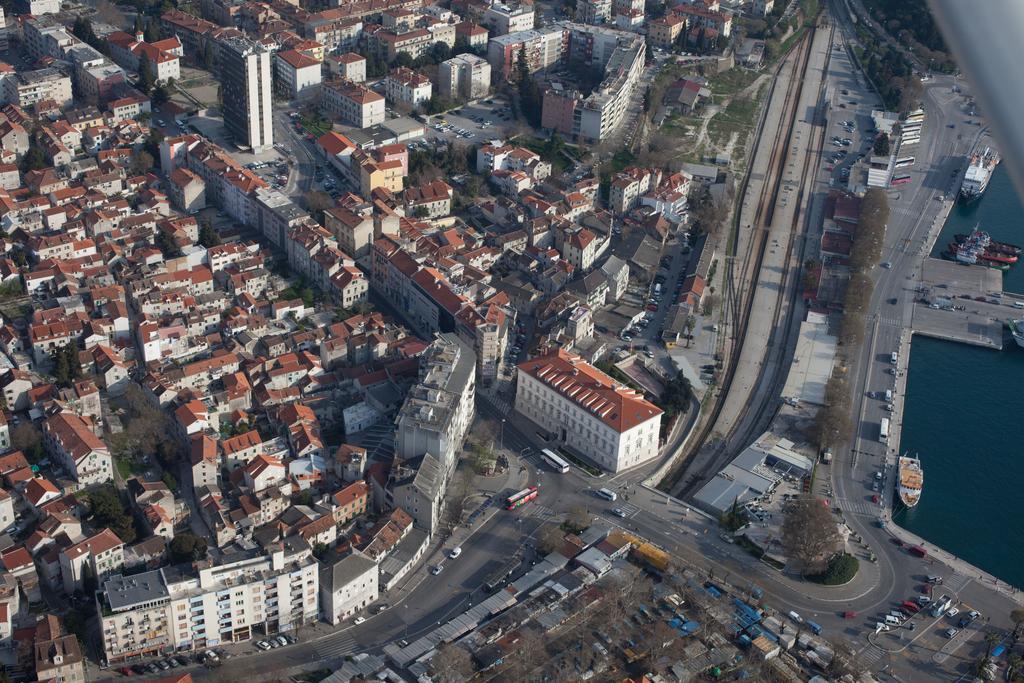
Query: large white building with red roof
[[587, 411]]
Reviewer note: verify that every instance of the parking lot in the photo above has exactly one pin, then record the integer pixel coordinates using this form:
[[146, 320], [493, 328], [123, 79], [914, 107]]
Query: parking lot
[[477, 123]]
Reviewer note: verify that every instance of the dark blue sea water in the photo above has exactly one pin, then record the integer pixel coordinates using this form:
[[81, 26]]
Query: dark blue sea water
[[963, 417]]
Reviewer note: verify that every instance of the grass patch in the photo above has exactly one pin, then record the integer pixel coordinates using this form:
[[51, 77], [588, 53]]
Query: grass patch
[[732, 81], [621, 160], [586, 467], [737, 117], [316, 125], [841, 570]]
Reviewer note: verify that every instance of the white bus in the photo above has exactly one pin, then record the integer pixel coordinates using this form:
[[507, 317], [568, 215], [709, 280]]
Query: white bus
[[607, 495], [904, 162], [551, 458], [883, 430]]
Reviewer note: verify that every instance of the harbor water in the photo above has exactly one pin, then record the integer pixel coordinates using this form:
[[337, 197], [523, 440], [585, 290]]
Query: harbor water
[[962, 417]]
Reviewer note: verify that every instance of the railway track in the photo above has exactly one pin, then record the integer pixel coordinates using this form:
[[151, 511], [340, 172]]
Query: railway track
[[741, 282]]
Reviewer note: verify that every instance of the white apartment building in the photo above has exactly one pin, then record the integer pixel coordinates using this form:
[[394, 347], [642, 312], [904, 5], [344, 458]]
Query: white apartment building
[[503, 19], [439, 409], [543, 47], [75, 448], [347, 586], [354, 104], [247, 595], [408, 87], [25, 88], [246, 81], [465, 76], [349, 66], [587, 411], [298, 74]]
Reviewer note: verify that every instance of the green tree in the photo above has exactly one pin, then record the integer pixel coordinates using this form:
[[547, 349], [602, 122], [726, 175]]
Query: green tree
[[208, 237], [34, 159], [152, 144], [67, 368], [881, 147], [208, 60], [187, 547], [170, 481], [160, 95], [146, 80], [529, 93], [152, 32], [108, 511]]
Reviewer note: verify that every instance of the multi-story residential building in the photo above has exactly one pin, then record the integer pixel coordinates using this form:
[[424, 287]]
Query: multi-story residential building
[[594, 11], [587, 411], [698, 16], [503, 19], [353, 103], [628, 185], [349, 66], [581, 249], [762, 8], [354, 231], [347, 585], [464, 76], [128, 51], [81, 453], [405, 86], [429, 200], [57, 654], [474, 34], [664, 31], [247, 594], [246, 81], [415, 43], [39, 7], [418, 487], [98, 556], [542, 48], [298, 74], [25, 88], [440, 407], [621, 55]]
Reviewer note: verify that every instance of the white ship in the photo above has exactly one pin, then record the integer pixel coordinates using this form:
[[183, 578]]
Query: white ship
[[979, 172], [911, 480]]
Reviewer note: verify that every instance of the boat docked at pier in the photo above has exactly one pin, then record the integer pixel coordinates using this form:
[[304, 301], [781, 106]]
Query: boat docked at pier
[[911, 480], [1017, 331], [978, 247], [979, 172]]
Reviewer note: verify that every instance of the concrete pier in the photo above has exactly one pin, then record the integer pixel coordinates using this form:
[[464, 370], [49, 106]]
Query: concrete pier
[[945, 287]]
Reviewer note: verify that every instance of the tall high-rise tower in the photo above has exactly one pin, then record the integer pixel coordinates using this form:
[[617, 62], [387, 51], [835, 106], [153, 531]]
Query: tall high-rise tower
[[246, 82]]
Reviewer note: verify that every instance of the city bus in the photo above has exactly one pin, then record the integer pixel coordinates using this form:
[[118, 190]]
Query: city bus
[[883, 430], [901, 180], [521, 498], [904, 162], [552, 458]]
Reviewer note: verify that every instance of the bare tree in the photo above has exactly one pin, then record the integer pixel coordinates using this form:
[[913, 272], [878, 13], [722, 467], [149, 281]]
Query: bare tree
[[452, 664], [549, 539], [578, 519], [809, 532]]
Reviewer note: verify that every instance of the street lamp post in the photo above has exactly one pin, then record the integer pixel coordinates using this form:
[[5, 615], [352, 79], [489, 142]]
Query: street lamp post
[[501, 435]]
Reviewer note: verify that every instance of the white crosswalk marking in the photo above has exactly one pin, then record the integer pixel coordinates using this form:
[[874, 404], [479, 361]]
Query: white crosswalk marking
[[857, 507], [540, 511], [956, 582], [629, 509], [338, 646], [869, 656], [892, 322]]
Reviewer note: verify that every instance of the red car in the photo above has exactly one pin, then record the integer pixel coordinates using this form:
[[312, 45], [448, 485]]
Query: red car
[[849, 615], [125, 671]]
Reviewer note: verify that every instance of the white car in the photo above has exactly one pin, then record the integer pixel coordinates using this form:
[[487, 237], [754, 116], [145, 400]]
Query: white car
[[952, 612], [437, 569], [359, 620], [455, 552], [263, 645]]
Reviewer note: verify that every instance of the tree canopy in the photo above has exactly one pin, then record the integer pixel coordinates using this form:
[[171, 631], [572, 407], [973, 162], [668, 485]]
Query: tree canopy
[[809, 533]]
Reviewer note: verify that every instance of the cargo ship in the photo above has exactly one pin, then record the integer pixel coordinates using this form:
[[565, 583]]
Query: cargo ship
[[972, 254], [988, 242], [979, 172], [978, 247], [1017, 330], [911, 480]]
